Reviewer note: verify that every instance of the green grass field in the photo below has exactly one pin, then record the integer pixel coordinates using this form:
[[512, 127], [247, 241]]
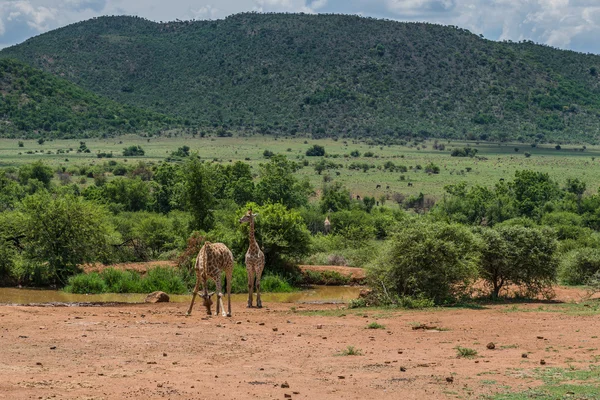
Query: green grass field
[[502, 159]]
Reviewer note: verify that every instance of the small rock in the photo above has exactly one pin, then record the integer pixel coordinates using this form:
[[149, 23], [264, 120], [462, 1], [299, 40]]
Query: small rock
[[159, 385], [275, 329], [164, 354], [38, 363], [325, 337], [151, 362], [238, 323], [287, 396], [540, 337], [319, 326], [261, 323], [53, 348], [524, 355], [285, 385], [341, 377], [450, 379], [403, 369], [542, 362], [296, 392], [23, 337], [491, 346], [261, 369], [157, 297], [400, 352]]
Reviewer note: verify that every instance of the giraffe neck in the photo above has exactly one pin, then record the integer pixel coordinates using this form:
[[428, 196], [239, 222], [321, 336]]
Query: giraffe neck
[[253, 244]]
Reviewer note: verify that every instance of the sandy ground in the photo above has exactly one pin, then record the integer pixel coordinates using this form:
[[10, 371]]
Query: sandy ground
[[152, 351]]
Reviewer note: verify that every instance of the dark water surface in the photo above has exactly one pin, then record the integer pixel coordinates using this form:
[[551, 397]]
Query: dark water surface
[[316, 294]]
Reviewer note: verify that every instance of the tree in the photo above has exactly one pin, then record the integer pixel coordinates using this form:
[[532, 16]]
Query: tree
[[520, 256], [433, 260], [280, 232], [579, 265], [199, 185], [335, 197], [62, 233], [278, 183], [37, 170], [316, 151], [532, 190]]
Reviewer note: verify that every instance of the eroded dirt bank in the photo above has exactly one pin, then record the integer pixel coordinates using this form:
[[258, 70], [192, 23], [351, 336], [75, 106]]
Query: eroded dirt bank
[[154, 351]]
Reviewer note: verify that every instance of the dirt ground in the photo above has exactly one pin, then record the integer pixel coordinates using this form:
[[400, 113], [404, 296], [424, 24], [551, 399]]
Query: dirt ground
[[152, 351]]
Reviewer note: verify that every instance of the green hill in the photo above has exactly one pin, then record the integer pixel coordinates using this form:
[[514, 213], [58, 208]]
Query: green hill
[[329, 75], [36, 103]]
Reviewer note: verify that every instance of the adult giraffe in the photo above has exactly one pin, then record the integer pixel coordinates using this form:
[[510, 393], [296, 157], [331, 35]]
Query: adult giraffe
[[212, 260], [255, 261]]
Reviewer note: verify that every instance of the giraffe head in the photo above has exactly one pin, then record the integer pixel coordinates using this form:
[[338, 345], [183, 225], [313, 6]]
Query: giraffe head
[[248, 217], [207, 302]]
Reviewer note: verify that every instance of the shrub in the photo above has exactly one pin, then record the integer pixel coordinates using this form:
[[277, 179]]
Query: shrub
[[268, 154], [133, 151], [431, 260], [375, 325], [432, 168], [167, 280], [464, 352], [579, 265], [86, 284], [350, 351], [316, 151]]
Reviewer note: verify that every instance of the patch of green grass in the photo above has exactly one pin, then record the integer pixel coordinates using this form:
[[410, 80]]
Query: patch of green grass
[[350, 351], [465, 352], [375, 325], [560, 383], [509, 346]]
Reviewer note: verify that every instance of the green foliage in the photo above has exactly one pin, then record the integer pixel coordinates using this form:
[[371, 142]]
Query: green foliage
[[432, 260], [133, 151], [375, 325], [292, 82], [520, 256], [334, 198], [278, 184], [579, 265], [63, 232], [198, 191], [86, 284], [37, 103], [464, 352], [350, 351], [464, 152], [38, 171], [315, 151]]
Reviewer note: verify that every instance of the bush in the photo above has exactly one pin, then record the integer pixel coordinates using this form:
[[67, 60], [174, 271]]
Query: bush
[[133, 151], [431, 260], [316, 151], [579, 265], [86, 284]]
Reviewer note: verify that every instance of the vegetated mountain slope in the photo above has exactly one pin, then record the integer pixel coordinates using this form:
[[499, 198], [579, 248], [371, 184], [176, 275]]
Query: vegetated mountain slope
[[330, 75], [34, 103]]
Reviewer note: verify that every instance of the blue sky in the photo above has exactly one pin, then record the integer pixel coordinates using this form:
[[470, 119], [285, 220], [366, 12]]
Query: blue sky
[[567, 24]]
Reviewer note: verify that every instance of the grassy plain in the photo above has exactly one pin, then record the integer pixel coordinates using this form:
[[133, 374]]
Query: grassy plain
[[501, 160]]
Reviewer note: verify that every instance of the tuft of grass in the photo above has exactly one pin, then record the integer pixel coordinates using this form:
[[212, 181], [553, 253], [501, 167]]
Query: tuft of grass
[[375, 325], [465, 352], [350, 351]]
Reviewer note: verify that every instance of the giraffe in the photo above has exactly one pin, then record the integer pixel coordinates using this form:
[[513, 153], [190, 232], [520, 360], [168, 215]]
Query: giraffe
[[213, 259], [255, 261], [327, 225]]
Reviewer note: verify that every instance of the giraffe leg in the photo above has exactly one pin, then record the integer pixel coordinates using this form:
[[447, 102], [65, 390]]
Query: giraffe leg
[[258, 275], [250, 285], [229, 278], [219, 284], [198, 281]]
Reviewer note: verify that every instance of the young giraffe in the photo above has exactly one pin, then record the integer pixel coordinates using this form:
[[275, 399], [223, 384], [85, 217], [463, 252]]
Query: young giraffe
[[327, 225], [213, 259], [255, 261]]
